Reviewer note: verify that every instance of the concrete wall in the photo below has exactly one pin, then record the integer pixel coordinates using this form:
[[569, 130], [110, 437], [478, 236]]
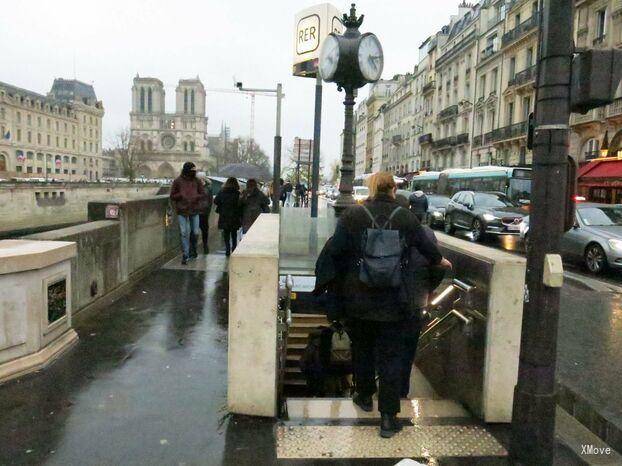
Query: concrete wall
[[27, 206], [113, 253], [253, 306], [479, 369]]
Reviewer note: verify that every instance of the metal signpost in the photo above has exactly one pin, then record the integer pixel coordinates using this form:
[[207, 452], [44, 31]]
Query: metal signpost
[[312, 26]]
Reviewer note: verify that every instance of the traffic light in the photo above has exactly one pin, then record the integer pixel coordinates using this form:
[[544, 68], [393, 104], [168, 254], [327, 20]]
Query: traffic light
[[595, 78]]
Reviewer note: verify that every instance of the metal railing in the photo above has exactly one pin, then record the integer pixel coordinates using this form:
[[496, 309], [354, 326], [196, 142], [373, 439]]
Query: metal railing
[[488, 52], [508, 132], [445, 142], [462, 138], [523, 77], [447, 112], [477, 141], [615, 108], [428, 87], [521, 30], [425, 138]]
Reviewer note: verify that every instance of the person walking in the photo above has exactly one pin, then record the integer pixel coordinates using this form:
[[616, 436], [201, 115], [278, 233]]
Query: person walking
[[252, 203], [204, 212], [376, 308], [419, 204], [187, 195], [282, 193], [227, 203], [288, 189]]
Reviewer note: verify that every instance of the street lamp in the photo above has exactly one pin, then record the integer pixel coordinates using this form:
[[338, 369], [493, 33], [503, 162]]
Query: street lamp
[[350, 60], [276, 163]]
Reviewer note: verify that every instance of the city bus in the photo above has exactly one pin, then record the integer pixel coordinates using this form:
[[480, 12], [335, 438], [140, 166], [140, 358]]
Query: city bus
[[361, 180], [514, 182]]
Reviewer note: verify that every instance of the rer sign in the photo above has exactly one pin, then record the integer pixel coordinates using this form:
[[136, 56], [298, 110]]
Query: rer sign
[[312, 25]]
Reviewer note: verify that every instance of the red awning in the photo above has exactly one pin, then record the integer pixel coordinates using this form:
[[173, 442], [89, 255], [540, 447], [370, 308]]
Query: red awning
[[601, 169]]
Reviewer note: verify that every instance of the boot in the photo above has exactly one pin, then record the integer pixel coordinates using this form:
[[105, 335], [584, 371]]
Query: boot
[[363, 402], [193, 246], [389, 426]]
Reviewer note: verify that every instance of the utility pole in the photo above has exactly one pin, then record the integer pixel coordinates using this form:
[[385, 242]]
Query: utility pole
[[533, 418]]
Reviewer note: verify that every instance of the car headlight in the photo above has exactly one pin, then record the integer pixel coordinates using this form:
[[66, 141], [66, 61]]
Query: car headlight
[[437, 214], [489, 217], [615, 244]]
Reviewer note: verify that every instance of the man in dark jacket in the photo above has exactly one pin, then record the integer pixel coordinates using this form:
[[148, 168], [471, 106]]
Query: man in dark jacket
[[252, 203], [187, 195], [378, 317], [419, 204], [204, 213]]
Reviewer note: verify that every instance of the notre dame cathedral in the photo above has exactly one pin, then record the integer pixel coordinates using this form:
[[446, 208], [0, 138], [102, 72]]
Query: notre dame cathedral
[[165, 141]]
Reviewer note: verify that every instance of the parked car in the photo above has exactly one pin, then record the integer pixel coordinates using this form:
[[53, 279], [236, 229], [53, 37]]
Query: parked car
[[483, 213], [437, 204], [595, 240]]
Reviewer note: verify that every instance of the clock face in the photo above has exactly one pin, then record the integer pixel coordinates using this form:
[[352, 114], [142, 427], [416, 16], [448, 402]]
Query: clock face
[[371, 58], [329, 58]]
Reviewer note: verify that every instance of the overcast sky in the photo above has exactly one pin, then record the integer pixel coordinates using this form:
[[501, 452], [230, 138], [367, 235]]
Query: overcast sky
[[110, 41]]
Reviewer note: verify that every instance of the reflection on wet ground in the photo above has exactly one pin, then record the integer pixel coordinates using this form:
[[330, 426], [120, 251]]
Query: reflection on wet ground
[[146, 383]]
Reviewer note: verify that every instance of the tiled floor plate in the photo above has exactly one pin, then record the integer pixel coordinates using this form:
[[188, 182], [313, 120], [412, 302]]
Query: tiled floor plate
[[344, 408], [299, 442], [212, 262]]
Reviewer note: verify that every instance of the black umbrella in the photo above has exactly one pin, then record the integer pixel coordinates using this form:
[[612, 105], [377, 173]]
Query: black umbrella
[[245, 170]]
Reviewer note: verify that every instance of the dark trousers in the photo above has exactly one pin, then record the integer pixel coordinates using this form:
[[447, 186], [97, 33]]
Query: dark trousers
[[412, 330], [231, 240], [204, 225], [378, 346]]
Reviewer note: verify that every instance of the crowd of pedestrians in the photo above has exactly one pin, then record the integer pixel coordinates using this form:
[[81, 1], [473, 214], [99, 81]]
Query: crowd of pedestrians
[[192, 199]]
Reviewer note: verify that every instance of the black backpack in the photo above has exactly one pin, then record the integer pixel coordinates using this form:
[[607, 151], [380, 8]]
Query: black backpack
[[382, 254]]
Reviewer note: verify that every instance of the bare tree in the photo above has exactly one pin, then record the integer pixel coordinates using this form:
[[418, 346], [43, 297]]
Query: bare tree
[[129, 155]]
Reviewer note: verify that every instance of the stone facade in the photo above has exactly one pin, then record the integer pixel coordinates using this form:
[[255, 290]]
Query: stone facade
[[469, 97], [54, 136], [166, 140]]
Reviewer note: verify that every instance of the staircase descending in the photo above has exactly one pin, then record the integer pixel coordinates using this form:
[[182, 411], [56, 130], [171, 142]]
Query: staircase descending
[[302, 325]]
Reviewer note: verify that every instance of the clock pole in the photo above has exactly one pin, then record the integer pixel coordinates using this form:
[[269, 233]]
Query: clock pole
[[345, 198]]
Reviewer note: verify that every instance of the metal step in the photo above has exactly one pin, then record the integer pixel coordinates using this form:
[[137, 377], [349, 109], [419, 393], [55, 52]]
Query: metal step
[[416, 409], [297, 338]]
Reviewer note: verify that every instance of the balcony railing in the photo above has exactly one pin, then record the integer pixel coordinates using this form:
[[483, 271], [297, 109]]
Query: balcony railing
[[519, 31], [428, 87], [593, 115], [477, 141], [448, 112], [425, 138], [450, 141], [462, 138], [508, 132], [615, 108], [523, 77], [488, 52]]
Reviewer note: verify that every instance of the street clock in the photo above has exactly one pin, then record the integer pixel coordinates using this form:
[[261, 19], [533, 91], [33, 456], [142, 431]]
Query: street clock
[[353, 59]]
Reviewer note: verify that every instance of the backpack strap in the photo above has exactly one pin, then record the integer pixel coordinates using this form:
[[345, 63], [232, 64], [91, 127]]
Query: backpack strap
[[388, 222], [373, 220]]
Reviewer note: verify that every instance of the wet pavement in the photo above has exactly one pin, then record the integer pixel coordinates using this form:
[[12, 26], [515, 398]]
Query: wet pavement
[[146, 383]]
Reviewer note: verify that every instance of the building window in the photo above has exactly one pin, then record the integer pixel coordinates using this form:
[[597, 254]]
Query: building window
[[191, 146], [149, 100], [510, 113], [142, 101], [38, 138], [19, 134], [185, 100], [185, 146], [601, 25], [48, 140], [19, 117], [192, 101], [39, 169], [65, 143], [29, 136], [29, 119], [512, 67]]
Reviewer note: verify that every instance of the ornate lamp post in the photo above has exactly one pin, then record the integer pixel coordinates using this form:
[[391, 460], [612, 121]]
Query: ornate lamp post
[[350, 60]]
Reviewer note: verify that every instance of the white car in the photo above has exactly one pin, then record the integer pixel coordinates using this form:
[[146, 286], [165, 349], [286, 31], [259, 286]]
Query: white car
[[360, 194]]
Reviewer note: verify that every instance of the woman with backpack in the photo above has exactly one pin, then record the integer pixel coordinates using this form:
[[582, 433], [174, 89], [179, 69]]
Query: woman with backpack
[[227, 203], [372, 242]]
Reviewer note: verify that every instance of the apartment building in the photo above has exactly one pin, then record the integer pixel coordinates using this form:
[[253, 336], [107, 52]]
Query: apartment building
[[455, 71], [360, 131], [398, 149], [55, 136]]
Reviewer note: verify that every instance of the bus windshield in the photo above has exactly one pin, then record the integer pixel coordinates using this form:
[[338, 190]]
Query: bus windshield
[[519, 189]]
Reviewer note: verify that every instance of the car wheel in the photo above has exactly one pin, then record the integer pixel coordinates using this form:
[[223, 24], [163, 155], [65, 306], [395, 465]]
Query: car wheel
[[595, 258], [449, 227], [477, 230]]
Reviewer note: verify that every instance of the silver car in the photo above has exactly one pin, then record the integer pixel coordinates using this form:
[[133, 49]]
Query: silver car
[[595, 239]]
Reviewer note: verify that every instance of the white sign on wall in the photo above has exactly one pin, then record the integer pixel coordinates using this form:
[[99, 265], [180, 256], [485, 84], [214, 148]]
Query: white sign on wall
[[311, 26]]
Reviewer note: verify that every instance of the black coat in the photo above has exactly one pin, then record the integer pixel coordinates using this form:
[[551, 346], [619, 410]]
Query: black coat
[[227, 203], [418, 204], [252, 204], [361, 301]]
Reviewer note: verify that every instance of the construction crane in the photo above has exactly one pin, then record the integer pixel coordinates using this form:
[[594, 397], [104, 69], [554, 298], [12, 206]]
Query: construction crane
[[252, 95]]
